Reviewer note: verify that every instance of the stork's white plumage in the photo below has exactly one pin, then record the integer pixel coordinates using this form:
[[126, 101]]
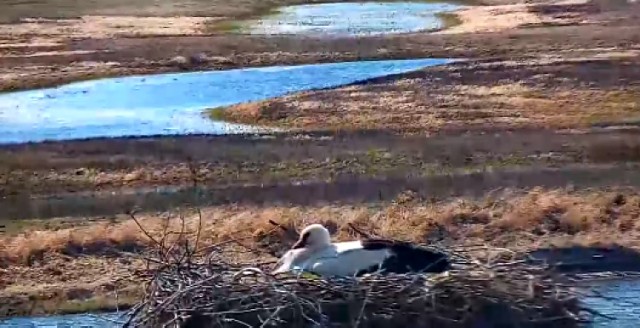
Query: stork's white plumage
[[314, 252]]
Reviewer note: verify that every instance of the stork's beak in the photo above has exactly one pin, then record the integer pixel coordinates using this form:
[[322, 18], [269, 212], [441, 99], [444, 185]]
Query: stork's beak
[[282, 265], [281, 269]]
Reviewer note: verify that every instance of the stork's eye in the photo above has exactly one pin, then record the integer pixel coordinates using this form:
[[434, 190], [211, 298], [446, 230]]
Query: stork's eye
[[302, 242]]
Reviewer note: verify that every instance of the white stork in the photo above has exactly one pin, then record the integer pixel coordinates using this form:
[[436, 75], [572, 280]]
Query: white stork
[[314, 252]]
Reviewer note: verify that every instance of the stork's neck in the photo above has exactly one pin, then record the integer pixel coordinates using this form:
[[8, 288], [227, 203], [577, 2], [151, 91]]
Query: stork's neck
[[310, 252]]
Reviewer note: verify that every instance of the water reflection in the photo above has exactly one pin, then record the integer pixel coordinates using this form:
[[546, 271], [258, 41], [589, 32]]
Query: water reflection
[[110, 320], [622, 303], [340, 19]]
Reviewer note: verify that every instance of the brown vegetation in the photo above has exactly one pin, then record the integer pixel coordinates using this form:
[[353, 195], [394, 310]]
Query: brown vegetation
[[105, 164], [14, 10], [40, 265], [519, 220], [556, 76], [465, 95], [29, 61]]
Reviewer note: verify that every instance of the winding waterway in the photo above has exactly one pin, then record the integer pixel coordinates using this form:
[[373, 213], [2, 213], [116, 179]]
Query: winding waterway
[[164, 104]]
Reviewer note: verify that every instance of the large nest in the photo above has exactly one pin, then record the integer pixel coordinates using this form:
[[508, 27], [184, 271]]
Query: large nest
[[190, 290], [213, 294]]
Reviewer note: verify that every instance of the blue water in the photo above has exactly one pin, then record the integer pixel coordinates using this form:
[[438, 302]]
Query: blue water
[[624, 305], [65, 321], [169, 103], [350, 19]]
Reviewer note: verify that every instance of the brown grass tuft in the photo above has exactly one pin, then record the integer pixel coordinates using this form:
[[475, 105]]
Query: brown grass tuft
[[470, 95], [510, 219]]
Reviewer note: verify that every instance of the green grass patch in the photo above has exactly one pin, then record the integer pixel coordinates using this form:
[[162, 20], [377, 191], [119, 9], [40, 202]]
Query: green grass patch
[[448, 19], [217, 113], [226, 26], [239, 24]]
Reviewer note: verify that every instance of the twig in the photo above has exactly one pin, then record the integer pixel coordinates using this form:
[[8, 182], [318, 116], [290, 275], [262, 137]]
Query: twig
[[293, 234], [360, 232], [271, 317], [244, 294], [160, 247]]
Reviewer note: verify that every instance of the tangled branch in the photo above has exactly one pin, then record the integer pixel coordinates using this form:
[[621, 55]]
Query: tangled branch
[[215, 293]]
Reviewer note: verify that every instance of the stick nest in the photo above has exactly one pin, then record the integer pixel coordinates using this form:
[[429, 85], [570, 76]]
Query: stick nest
[[215, 294]]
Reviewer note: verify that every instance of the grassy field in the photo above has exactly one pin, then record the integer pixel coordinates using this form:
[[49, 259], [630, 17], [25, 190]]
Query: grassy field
[[532, 142]]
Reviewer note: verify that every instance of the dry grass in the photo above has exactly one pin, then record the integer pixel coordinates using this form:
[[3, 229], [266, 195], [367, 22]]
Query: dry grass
[[517, 96], [106, 164], [100, 238], [82, 267], [65, 285], [533, 219], [106, 27]]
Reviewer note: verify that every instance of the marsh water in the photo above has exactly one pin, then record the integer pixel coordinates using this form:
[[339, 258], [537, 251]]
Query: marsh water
[[352, 19], [622, 302], [165, 104]]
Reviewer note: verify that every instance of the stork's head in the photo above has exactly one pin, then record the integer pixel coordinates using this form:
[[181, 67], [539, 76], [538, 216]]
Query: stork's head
[[313, 236]]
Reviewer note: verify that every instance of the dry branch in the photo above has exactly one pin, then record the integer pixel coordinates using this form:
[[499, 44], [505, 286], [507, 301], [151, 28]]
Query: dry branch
[[219, 294], [197, 290]]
